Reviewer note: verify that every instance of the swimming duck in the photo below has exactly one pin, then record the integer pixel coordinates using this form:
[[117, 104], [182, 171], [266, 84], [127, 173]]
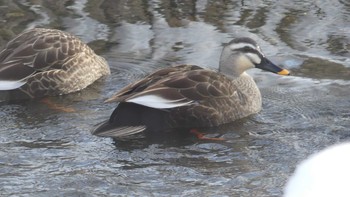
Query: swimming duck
[[41, 62], [188, 96]]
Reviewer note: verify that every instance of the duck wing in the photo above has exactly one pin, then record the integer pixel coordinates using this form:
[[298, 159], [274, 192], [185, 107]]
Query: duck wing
[[176, 86], [33, 51]]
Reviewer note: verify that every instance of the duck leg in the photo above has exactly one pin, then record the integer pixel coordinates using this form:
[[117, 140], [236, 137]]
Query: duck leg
[[55, 106], [201, 136]]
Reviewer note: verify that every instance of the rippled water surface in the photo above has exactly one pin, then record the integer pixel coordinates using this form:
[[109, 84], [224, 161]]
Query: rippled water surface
[[45, 152]]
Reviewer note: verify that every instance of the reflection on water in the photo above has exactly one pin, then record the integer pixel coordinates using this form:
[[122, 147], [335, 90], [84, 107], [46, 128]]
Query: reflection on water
[[44, 151]]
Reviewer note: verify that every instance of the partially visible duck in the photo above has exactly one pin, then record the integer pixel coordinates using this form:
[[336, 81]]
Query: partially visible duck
[[188, 96], [41, 62], [322, 174]]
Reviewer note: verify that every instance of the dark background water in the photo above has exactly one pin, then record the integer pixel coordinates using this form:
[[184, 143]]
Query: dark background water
[[44, 152]]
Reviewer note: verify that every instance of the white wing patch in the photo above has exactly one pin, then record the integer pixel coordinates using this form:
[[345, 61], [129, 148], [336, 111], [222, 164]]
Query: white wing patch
[[10, 85], [158, 102]]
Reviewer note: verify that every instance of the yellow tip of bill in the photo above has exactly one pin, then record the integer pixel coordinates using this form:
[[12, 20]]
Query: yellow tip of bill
[[283, 72]]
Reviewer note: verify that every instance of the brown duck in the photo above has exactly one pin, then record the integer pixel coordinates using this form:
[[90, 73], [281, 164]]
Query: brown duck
[[41, 62], [188, 96]]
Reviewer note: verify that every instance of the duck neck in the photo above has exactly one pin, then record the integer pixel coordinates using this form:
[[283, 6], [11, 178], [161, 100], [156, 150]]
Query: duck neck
[[229, 72], [248, 87], [226, 67]]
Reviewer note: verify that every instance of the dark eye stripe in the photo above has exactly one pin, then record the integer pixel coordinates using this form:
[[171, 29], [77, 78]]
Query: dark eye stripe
[[248, 49]]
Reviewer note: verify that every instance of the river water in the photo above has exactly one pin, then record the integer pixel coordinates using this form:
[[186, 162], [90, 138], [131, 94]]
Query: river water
[[45, 152]]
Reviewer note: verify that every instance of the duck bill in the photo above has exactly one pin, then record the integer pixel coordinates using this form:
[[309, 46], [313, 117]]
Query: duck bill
[[267, 65]]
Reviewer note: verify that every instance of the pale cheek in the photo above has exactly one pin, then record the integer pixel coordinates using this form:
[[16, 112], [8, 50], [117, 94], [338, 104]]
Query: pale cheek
[[254, 58], [245, 63]]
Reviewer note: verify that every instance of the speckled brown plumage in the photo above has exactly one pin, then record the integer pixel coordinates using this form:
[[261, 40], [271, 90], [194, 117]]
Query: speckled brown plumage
[[188, 96], [50, 62], [218, 99]]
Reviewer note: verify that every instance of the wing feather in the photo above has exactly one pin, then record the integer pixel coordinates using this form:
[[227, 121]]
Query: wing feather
[[34, 51], [176, 86], [104, 129]]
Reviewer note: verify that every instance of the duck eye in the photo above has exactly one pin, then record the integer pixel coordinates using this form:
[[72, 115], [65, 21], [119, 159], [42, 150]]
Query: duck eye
[[248, 49], [260, 51]]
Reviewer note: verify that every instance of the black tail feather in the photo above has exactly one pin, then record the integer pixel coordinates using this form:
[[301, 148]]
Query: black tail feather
[[129, 118]]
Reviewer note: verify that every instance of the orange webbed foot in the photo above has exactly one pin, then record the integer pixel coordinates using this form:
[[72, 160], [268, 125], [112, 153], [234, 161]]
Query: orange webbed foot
[[56, 106], [201, 136]]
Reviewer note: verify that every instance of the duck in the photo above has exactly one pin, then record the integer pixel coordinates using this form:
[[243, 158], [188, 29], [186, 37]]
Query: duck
[[187, 96], [48, 62], [324, 173]]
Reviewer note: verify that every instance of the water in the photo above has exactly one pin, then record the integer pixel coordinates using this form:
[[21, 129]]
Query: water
[[45, 152]]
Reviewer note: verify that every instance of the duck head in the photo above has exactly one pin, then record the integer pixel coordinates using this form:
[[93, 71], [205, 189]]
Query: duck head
[[244, 53]]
